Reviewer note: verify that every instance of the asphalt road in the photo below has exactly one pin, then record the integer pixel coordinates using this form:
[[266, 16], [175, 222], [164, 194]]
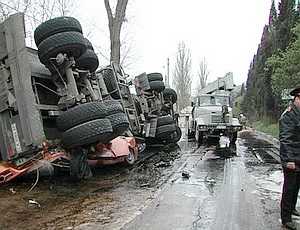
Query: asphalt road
[[238, 193]]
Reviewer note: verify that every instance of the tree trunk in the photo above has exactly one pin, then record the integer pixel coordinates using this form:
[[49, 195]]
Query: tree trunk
[[115, 46], [115, 25]]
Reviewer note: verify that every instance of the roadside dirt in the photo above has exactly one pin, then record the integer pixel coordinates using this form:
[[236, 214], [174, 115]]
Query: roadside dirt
[[57, 203]]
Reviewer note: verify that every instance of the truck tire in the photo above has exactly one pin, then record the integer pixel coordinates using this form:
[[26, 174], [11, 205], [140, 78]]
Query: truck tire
[[165, 120], [119, 123], [138, 106], [79, 167], [55, 26], [88, 44], [174, 137], [112, 107], [88, 61], [111, 84], [170, 93], [80, 114], [163, 132], [191, 134], [157, 86], [200, 138], [98, 130], [178, 135], [70, 43], [155, 77], [233, 139]]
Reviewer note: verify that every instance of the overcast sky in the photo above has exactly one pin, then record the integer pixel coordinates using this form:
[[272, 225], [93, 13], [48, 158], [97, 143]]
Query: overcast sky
[[226, 33]]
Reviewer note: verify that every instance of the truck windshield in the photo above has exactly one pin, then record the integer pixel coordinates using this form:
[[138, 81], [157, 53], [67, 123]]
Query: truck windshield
[[213, 100], [222, 100]]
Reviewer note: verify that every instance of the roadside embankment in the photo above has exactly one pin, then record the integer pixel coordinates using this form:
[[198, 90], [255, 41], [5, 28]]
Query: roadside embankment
[[266, 126]]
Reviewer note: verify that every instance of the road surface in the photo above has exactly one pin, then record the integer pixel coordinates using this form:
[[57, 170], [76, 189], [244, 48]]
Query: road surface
[[241, 192]]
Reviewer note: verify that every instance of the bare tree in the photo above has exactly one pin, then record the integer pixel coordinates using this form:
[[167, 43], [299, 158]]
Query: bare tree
[[9, 7], [115, 22], [35, 11], [65, 6], [182, 79], [203, 74], [38, 10]]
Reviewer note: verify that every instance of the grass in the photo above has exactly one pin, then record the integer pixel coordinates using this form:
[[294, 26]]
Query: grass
[[267, 126]]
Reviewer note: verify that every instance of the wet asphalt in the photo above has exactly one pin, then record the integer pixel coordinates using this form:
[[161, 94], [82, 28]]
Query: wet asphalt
[[237, 193]]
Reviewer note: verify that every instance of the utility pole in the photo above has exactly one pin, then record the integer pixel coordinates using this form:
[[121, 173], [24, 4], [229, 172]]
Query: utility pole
[[167, 83]]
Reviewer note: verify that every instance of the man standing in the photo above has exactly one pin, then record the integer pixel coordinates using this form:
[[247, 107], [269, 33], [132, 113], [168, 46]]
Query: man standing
[[289, 136]]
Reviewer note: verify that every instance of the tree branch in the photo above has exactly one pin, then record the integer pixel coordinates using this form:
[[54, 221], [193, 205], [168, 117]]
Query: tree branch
[[109, 13], [120, 13]]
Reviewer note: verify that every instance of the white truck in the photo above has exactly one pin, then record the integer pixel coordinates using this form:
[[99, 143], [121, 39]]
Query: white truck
[[212, 117]]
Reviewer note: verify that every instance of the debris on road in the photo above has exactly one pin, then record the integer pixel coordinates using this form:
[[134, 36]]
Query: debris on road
[[33, 203], [185, 175], [145, 185], [12, 191], [163, 164]]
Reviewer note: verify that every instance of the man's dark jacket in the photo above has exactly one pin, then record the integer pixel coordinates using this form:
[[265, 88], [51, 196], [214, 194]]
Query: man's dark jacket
[[289, 135]]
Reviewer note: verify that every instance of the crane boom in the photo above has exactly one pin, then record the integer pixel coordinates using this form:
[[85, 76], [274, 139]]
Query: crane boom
[[223, 83]]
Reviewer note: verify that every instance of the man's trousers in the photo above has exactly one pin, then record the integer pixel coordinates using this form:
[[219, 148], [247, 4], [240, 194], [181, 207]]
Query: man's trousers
[[289, 194]]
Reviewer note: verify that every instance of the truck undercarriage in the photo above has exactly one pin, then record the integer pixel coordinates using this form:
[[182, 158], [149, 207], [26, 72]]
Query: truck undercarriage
[[57, 108]]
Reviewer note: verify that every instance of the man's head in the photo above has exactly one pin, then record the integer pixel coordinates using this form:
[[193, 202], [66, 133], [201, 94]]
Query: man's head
[[296, 94], [296, 100]]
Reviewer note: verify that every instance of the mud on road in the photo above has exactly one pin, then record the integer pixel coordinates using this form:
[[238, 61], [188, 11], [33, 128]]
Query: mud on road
[[110, 197]]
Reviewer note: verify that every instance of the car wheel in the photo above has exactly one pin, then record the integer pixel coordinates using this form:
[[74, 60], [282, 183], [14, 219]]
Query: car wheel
[[79, 167], [130, 158]]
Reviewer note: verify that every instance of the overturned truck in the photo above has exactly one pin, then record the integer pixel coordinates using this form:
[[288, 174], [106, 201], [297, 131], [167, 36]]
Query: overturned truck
[[55, 106]]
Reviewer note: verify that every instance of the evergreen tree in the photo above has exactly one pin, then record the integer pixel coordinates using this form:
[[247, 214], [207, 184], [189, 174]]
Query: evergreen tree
[[273, 14], [248, 103], [287, 18], [286, 66], [243, 90], [275, 63], [259, 96]]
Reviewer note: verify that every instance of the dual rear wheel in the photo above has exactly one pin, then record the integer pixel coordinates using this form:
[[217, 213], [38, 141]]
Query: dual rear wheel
[[88, 124]]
